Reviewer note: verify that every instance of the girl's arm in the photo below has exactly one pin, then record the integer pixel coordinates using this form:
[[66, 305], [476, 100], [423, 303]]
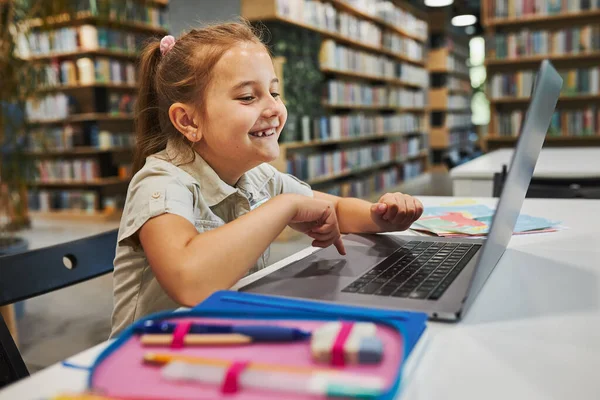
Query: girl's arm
[[190, 266], [393, 212]]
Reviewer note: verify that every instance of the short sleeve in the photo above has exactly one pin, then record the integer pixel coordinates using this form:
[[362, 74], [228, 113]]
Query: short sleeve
[[153, 191]]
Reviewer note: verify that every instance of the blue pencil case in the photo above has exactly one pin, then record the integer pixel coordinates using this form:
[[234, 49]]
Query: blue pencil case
[[121, 372]]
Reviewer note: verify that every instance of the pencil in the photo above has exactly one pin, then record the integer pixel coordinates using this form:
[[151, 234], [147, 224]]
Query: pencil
[[165, 358], [196, 339]]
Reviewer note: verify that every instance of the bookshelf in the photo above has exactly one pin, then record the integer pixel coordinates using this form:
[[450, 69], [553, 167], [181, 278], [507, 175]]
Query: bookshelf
[[452, 133], [80, 118], [520, 36], [373, 143]]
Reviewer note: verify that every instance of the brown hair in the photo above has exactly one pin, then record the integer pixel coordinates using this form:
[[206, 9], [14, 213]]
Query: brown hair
[[181, 75]]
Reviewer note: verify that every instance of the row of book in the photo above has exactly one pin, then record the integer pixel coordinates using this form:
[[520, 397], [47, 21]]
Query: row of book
[[579, 81], [80, 38], [334, 127], [83, 71], [454, 121], [324, 15], [388, 11], [60, 106], [458, 102], [61, 200], [565, 122], [124, 11], [462, 138], [333, 163], [339, 57], [70, 137], [403, 45], [58, 170], [456, 64], [455, 83], [572, 40], [363, 187], [350, 93], [519, 8]]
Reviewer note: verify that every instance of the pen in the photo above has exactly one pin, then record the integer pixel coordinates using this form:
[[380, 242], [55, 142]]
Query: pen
[[258, 333]]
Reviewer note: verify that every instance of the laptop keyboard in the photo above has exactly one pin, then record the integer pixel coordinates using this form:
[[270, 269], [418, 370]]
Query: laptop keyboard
[[418, 270]]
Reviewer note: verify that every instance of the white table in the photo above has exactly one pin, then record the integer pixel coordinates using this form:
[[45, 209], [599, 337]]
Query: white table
[[475, 178], [533, 332]]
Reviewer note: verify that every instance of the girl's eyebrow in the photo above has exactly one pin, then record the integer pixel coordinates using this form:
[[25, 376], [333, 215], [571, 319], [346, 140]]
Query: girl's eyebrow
[[251, 83]]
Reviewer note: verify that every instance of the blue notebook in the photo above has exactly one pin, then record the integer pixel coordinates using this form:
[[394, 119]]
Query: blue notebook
[[412, 324]]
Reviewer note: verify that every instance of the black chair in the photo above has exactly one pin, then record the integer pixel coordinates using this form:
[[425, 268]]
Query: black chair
[[33, 273], [553, 188]]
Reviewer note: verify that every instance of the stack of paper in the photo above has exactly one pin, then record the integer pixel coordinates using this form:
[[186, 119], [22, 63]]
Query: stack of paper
[[474, 220]]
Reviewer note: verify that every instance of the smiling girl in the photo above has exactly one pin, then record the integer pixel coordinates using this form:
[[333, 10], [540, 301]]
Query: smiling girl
[[204, 204]]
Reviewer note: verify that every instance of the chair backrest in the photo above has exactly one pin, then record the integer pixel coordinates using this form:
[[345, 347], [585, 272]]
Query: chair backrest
[[33, 273], [554, 188]]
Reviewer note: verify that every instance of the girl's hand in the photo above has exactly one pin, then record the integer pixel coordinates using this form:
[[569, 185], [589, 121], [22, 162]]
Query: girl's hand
[[396, 212], [317, 219]]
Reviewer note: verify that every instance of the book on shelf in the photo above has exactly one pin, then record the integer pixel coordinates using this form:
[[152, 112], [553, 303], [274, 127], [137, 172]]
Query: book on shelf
[[577, 81], [325, 15], [78, 170], [526, 42], [565, 122], [331, 163], [73, 136], [78, 38], [338, 57], [520, 8], [51, 107], [335, 127], [351, 93]]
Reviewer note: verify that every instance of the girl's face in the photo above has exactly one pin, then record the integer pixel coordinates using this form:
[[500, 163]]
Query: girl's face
[[245, 114]]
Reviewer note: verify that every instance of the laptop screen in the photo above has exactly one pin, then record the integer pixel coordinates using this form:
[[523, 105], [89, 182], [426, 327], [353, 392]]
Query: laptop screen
[[545, 93]]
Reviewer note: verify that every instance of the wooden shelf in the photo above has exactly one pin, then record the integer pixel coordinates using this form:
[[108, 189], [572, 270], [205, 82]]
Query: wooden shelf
[[537, 59], [109, 181], [107, 85], [374, 108], [341, 38], [317, 143], [82, 150], [495, 142], [352, 10], [360, 75], [84, 17], [458, 74], [562, 99], [85, 117], [542, 19], [316, 181], [69, 215], [82, 53]]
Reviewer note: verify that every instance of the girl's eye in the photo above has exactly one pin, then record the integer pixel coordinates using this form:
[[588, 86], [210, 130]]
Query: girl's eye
[[246, 98], [275, 95]]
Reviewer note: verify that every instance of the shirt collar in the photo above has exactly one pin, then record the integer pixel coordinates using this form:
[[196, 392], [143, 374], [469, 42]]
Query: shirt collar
[[214, 189]]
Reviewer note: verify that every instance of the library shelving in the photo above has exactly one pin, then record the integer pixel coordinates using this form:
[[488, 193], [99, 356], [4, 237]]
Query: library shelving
[[451, 133], [522, 34], [80, 116], [355, 82]]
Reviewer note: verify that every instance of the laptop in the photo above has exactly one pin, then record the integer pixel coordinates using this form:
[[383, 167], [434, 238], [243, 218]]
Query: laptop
[[439, 276]]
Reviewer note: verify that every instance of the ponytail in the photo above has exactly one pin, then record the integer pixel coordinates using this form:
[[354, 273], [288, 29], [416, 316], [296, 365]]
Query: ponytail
[[149, 137]]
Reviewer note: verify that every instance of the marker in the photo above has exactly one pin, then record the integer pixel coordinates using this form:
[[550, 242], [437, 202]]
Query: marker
[[258, 333]]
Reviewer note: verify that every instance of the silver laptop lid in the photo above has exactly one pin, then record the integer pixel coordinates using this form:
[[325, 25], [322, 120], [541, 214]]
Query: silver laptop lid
[[545, 93]]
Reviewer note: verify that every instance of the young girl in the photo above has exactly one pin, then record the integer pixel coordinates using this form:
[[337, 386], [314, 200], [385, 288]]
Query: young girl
[[204, 204]]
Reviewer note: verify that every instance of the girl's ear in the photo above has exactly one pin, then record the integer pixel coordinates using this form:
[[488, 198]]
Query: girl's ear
[[184, 120]]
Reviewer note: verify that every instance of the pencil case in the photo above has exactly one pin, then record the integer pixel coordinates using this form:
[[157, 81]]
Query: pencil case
[[128, 369]]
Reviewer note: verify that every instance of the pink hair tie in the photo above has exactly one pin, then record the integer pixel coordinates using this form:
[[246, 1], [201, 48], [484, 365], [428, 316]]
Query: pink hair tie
[[166, 44]]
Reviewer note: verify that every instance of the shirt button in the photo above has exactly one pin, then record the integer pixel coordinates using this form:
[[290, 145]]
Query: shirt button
[[156, 195]]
